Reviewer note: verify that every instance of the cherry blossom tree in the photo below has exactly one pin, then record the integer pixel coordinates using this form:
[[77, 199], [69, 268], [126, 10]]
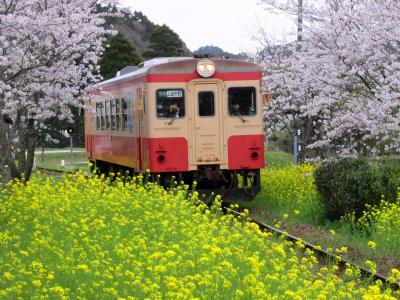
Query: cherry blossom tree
[[303, 11], [342, 82], [49, 53]]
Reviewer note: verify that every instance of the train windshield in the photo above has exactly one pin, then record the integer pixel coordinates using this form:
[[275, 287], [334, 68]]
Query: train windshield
[[206, 104], [242, 101], [170, 103]]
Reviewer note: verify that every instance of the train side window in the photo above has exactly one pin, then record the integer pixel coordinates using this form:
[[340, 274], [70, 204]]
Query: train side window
[[118, 113], [124, 114], [103, 114], [112, 114], [112, 106], [206, 104], [108, 114], [242, 101], [98, 116], [124, 105], [170, 103]]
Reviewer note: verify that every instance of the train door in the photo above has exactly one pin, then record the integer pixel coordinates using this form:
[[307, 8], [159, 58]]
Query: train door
[[207, 139]]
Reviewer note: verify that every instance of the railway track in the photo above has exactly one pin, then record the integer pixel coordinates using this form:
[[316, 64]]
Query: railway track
[[321, 253], [53, 171]]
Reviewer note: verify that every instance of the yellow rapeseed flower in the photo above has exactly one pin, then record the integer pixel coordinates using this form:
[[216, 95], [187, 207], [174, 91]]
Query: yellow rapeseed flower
[[372, 245]]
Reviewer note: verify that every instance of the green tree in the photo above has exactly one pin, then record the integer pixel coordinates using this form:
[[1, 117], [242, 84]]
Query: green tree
[[117, 55], [163, 43], [54, 127]]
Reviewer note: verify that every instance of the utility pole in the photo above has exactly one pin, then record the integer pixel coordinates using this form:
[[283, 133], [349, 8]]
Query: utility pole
[[70, 132], [296, 146]]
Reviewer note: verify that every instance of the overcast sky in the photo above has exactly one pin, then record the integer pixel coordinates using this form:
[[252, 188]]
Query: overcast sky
[[228, 24]]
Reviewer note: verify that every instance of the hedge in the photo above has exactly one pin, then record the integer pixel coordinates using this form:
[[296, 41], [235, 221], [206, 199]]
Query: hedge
[[346, 185]]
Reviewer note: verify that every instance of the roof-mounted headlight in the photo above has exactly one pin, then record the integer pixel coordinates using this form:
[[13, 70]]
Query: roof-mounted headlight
[[205, 68]]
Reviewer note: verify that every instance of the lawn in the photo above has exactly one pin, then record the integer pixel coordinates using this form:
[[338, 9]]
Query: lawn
[[277, 159], [77, 160]]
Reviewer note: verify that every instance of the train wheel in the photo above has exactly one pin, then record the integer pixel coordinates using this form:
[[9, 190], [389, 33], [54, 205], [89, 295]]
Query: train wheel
[[251, 183], [101, 168]]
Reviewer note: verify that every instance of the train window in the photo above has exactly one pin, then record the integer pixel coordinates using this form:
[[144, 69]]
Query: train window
[[124, 125], [112, 114], [112, 108], [98, 109], [98, 125], [113, 124], [102, 108], [103, 123], [118, 105], [102, 113], [242, 101], [108, 123], [206, 104], [98, 113], [124, 116], [124, 105], [170, 103], [118, 121], [117, 114]]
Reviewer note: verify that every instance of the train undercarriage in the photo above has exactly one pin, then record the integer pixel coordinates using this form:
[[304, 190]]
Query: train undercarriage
[[208, 180]]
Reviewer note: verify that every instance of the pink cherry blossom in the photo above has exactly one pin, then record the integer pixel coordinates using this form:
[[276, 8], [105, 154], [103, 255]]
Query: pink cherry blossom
[[49, 52], [342, 80]]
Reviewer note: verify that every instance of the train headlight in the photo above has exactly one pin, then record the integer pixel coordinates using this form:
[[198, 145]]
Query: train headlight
[[205, 68]]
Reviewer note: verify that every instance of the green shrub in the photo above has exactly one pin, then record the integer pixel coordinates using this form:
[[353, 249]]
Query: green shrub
[[390, 175], [346, 185], [281, 140]]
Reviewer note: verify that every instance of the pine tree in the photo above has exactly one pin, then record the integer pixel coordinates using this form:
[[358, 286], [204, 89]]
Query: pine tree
[[117, 55], [163, 43]]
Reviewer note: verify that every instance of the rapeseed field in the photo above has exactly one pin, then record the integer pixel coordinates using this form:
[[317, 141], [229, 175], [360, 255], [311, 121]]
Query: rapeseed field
[[89, 238], [290, 191], [381, 224]]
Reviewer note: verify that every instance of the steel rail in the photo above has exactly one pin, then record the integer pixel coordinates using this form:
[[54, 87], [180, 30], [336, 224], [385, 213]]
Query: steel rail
[[319, 251], [54, 171]]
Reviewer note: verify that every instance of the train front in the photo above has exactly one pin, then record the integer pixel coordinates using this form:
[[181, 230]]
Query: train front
[[206, 125]]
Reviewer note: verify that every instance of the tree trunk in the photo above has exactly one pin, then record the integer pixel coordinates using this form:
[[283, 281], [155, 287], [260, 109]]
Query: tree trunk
[[21, 162], [300, 10], [17, 149], [31, 136], [4, 151], [305, 140], [4, 146]]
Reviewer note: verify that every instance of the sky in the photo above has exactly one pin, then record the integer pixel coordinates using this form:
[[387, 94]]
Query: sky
[[229, 24]]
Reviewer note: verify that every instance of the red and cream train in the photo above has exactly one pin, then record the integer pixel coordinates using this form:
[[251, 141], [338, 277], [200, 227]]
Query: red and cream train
[[198, 119]]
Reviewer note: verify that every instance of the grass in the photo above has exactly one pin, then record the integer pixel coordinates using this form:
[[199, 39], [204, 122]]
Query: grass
[[77, 160], [278, 159]]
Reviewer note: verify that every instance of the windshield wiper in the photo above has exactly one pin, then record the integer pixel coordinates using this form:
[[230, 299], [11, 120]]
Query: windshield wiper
[[241, 117], [173, 119]]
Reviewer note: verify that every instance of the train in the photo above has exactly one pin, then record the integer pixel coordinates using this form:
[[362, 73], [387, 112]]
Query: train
[[193, 119]]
